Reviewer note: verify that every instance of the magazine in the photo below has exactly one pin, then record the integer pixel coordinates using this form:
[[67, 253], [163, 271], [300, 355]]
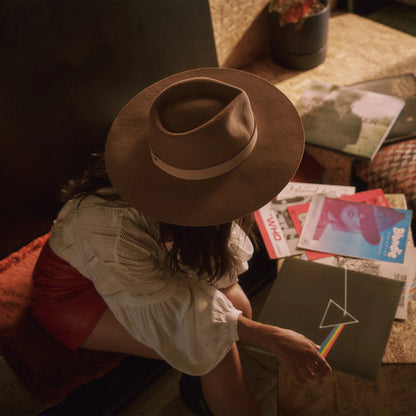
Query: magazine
[[403, 86], [347, 120], [294, 189], [298, 213], [399, 201], [405, 272], [272, 233], [347, 312], [356, 229], [276, 228], [373, 196]]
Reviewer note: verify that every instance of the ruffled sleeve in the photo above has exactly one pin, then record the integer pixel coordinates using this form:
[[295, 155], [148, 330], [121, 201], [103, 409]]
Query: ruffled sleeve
[[192, 330], [189, 323], [242, 249]]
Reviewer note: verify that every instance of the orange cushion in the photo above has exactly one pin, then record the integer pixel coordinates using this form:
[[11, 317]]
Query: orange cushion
[[45, 366]]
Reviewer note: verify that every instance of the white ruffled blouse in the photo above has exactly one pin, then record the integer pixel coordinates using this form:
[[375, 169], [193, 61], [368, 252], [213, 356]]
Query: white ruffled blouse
[[188, 322]]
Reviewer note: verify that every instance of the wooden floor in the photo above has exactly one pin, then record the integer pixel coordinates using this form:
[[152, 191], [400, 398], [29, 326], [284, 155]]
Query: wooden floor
[[162, 397]]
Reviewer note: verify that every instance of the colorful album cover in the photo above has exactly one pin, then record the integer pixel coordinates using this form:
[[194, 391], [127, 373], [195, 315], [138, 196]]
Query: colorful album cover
[[298, 213], [356, 229], [275, 225]]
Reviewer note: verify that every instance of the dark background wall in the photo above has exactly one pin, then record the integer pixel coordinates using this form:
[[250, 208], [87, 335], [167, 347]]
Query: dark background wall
[[67, 67]]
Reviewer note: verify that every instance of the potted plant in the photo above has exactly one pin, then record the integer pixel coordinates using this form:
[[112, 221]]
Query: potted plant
[[299, 32]]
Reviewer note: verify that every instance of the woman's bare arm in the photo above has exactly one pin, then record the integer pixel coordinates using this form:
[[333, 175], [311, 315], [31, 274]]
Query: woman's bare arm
[[292, 350]]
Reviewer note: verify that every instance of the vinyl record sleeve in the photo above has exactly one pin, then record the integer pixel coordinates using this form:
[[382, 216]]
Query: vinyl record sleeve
[[311, 298], [355, 229], [350, 121], [402, 86]]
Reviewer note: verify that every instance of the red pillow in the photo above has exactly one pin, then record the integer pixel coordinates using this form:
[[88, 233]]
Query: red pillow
[[45, 366]]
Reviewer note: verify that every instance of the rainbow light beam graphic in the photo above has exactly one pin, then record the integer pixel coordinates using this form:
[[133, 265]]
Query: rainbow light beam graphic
[[330, 340]]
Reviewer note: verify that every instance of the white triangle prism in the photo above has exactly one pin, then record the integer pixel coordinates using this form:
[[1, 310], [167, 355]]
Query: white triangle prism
[[349, 319]]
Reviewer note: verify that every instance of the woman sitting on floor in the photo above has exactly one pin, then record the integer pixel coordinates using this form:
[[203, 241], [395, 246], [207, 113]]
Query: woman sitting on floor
[[144, 257]]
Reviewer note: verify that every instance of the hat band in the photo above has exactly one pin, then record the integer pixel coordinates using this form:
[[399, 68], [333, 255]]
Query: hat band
[[211, 171]]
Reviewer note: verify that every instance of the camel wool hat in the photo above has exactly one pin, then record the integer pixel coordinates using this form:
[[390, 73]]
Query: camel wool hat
[[204, 147]]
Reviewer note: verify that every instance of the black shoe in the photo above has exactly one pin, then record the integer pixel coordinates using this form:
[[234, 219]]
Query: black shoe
[[192, 396]]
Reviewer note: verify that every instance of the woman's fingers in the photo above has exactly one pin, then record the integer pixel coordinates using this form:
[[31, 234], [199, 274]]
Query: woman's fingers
[[310, 363], [322, 364]]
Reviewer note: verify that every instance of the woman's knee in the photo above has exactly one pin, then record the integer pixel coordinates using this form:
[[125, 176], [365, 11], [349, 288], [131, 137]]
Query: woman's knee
[[239, 299]]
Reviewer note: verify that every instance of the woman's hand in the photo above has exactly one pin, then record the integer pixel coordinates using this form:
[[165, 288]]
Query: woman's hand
[[294, 351], [298, 354]]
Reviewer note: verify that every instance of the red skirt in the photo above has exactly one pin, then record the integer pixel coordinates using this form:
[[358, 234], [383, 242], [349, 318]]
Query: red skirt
[[64, 302]]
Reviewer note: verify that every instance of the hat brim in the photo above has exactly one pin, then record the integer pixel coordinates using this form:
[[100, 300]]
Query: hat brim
[[218, 200]]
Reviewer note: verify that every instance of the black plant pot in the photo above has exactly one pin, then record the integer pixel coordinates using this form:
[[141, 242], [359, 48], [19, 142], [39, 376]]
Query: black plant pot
[[300, 48]]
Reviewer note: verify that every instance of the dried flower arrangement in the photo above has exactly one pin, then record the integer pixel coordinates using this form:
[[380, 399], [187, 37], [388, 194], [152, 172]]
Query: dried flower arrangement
[[295, 11]]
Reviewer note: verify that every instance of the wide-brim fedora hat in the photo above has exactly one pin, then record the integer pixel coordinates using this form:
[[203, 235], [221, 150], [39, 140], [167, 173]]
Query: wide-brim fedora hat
[[204, 146]]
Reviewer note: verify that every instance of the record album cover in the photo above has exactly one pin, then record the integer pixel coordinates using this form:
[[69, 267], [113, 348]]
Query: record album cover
[[356, 229], [348, 313], [403, 86], [347, 120]]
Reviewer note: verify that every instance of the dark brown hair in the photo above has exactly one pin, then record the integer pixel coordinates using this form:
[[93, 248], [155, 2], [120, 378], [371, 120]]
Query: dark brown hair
[[93, 179], [203, 249]]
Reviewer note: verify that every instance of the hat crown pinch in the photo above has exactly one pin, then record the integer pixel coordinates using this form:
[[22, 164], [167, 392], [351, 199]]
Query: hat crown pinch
[[200, 123]]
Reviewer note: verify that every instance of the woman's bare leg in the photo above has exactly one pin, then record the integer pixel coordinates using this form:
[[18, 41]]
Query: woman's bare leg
[[226, 390], [110, 335]]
